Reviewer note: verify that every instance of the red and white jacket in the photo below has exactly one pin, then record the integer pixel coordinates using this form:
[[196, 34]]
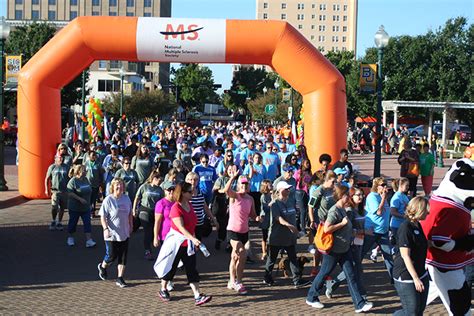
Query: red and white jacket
[[447, 220]]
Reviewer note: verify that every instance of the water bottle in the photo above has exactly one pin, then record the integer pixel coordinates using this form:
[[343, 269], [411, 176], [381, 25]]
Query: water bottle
[[204, 250]]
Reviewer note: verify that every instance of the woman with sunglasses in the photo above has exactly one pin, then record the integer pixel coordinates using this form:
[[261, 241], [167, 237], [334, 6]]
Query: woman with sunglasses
[[63, 151], [142, 163], [356, 214], [338, 223], [377, 222], [144, 207], [183, 224], [241, 209], [130, 178]]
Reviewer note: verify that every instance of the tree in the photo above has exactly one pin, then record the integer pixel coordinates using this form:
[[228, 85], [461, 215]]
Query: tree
[[195, 85], [251, 81], [140, 104]]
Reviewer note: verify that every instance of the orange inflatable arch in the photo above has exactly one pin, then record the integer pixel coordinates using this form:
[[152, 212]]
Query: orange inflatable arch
[[87, 39]]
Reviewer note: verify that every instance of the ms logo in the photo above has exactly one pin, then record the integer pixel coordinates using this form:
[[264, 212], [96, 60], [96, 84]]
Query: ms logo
[[190, 33]]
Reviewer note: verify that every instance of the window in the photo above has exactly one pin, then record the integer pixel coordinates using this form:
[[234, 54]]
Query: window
[[335, 28], [51, 15], [283, 5], [102, 64], [35, 15], [18, 1], [322, 7], [344, 18], [18, 15], [112, 13], [322, 18], [283, 16], [336, 7], [300, 17], [52, 2], [147, 3], [344, 28], [73, 2], [321, 38], [72, 15], [300, 27], [313, 6], [344, 7], [115, 64], [312, 26], [313, 16], [300, 6], [335, 38], [129, 14], [335, 17], [265, 5], [35, 2], [344, 49], [96, 2], [130, 3], [321, 49], [94, 13], [312, 37], [265, 16], [147, 14], [112, 3], [322, 28], [109, 85], [343, 39]]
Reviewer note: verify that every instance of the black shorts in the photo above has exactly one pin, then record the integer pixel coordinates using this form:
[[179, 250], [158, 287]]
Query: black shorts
[[116, 250], [264, 234], [242, 237]]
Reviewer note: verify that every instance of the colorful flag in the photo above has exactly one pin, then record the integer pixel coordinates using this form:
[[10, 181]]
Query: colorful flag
[[94, 130], [106, 128], [294, 132]]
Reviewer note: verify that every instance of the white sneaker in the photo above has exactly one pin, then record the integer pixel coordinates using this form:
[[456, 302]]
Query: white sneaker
[[317, 305], [170, 286], [70, 241], [90, 243], [367, 306], [312, 249]]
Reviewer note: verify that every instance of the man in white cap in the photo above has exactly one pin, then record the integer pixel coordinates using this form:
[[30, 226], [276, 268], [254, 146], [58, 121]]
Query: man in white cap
[[282, 235]]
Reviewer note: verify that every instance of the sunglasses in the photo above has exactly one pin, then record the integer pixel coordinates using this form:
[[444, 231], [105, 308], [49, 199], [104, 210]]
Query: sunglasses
[[383, 185], [126, 163]]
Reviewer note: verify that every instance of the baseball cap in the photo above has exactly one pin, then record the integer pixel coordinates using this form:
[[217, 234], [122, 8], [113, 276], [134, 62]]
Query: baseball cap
[[287, 167], [168, 185], [339, 171], [244, 180], [114, 146], [283, 185]]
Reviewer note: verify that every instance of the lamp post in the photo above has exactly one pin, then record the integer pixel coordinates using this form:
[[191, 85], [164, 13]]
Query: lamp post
[[4, 32], [83, 102], [381, 41], [122, 73], [276, 85]]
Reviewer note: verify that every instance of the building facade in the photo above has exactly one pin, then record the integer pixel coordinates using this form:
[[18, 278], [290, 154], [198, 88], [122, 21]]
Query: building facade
[[330, 25], [104, 74]]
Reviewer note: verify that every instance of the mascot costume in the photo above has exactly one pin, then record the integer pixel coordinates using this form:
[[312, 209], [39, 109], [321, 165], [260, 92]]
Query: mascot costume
[[448, 230]]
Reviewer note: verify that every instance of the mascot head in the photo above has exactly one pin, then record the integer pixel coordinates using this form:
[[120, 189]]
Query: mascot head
[[458, 183]]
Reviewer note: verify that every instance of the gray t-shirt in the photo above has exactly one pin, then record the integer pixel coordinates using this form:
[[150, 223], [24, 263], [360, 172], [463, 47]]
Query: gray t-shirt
[[278, 234], [117, 216], [342, 236], [143, 167], [265, 211], [130, 178], [149, 195], [324, 201], [94, 173], [292, 182], [59, 177], [82, 188]]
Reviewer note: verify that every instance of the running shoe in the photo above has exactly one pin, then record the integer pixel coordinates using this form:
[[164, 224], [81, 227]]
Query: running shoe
[[170, 286], [240, 288], [367, 306], [316, 304], [164, 295], [102, 272], [70, 241], [121, 282], [312, 249], [52, 226], [202, 299], [90, 243], [59, 227]]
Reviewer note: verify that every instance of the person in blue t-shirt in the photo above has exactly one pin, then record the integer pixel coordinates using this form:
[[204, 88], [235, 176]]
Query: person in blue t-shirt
[[207, 177], [256, 172], [377, 222], [271, 161], [249, 151], [398, 204]]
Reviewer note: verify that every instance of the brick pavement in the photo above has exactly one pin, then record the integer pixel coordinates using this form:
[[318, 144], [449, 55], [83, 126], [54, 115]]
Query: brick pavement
[[41, 275]]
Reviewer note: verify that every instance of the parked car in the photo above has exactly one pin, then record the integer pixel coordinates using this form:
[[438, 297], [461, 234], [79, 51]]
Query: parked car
[[465, 132], [418, 131]]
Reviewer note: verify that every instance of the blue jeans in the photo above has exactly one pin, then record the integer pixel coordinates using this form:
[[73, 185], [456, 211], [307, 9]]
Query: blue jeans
[[383, 241], [413, 302], [329, 262], [356, 255], [74, 218], [302, 205]]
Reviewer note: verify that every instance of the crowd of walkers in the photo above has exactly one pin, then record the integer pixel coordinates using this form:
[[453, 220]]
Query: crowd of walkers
[[176, 182]]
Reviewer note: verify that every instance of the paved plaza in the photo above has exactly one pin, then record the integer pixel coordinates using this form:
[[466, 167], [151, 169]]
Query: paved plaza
[[40, 274]]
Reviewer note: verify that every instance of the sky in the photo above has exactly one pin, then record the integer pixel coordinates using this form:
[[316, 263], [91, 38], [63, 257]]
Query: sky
[[400, 17]]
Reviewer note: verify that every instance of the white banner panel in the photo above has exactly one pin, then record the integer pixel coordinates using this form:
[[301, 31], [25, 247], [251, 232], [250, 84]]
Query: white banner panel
[[181, 40]]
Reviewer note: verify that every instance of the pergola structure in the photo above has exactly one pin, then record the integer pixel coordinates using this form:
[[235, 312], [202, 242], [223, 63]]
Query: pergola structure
[[431, 106]]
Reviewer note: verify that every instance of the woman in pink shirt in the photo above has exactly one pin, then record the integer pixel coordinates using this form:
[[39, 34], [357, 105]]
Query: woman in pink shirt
[[241, 208], [162, 214]]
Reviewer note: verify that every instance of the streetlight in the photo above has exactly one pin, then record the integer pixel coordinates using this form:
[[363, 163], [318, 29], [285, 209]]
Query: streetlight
[[4, 32], [264, 91], [381, 41], [143, 81], [276, 85], [122, 73]]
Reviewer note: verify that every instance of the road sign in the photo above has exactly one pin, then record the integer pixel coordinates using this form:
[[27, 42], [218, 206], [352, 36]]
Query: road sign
[[270, 109], [242, 92]]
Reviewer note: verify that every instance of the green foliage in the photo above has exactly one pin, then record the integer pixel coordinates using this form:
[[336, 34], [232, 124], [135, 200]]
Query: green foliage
[[195, 86], [140, 104], [250, 80]]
